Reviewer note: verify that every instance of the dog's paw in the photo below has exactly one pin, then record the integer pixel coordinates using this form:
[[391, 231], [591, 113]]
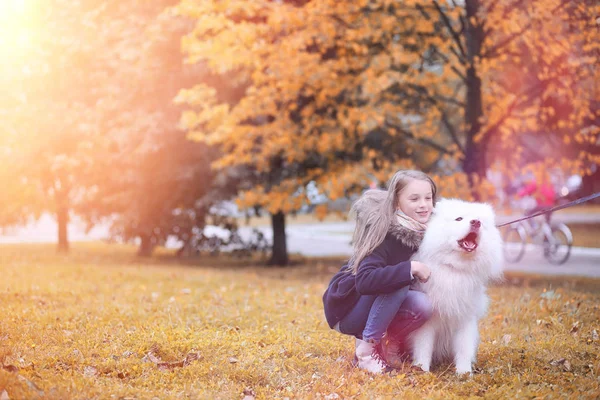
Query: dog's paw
[[422, 366], [464, 372]]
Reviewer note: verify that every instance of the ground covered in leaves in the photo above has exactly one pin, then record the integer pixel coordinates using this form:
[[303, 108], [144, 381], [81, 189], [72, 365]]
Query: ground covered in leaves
[[100, 323]]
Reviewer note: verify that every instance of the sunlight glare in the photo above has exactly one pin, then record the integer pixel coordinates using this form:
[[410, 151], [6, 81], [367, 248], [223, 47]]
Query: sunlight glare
[[16, 22]]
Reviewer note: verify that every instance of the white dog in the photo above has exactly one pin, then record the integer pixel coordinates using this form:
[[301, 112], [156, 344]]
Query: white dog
[[463, 249]]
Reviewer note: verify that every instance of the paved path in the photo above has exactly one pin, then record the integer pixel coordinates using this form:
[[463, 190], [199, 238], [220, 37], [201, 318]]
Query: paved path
[[333, 239]]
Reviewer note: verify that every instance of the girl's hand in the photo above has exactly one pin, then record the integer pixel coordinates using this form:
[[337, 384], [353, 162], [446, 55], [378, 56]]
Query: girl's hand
[[420, 271]]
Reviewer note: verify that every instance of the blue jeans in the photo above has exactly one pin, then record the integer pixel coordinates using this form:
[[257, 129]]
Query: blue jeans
[[401, 311]]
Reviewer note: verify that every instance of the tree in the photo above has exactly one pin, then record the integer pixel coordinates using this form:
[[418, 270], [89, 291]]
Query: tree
[[49, 87], [104, 142], [340, 93], [160, 173]]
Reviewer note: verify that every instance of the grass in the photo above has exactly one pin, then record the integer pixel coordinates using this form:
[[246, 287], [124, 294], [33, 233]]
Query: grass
[[99, 323], [585, 235]]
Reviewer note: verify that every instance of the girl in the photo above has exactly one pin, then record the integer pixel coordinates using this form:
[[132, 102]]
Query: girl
[[370, 295]]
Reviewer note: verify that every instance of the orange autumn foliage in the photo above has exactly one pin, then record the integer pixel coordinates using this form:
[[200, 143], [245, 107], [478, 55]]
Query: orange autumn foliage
[[345, 92]]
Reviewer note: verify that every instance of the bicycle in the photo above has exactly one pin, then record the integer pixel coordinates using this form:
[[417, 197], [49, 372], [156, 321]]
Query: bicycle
[[556, 239]]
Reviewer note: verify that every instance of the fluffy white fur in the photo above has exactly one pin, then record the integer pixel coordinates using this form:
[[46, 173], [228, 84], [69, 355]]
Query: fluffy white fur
[[457, 286]]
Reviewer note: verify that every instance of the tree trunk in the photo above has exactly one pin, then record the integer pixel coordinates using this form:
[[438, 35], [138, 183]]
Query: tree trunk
[[279, 255], [62, 218], [475, 160], [146, 246]]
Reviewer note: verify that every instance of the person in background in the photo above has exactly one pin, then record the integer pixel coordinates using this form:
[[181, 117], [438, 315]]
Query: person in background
[[543, 194]]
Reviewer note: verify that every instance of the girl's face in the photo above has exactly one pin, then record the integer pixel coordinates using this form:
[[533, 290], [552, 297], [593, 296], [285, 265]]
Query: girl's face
[[416, 200]]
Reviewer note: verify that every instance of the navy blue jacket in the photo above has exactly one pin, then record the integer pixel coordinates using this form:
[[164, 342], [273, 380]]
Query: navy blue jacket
[[385, 270]]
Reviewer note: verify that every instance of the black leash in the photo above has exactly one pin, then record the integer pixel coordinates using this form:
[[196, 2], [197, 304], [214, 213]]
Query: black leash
[[549, 210]]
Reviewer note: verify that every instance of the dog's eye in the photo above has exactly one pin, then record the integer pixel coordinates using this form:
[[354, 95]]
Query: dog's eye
[[458, 219]]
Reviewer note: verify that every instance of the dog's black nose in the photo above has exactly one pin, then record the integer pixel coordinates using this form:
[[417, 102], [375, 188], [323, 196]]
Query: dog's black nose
[[475, 223]]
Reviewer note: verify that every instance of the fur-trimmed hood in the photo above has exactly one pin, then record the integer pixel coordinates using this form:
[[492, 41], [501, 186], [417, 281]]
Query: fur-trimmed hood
[[408, 237]]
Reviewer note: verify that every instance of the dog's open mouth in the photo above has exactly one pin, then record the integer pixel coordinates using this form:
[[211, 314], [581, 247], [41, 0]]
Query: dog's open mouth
[[469, 242]]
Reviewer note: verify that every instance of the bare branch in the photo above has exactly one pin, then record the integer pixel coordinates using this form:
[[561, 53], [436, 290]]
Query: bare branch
[[455, 36], [341, 21], [458, 103], [494, 51], [452, 67], [452, 131], [425, 141], [521, 100], [424, 93]]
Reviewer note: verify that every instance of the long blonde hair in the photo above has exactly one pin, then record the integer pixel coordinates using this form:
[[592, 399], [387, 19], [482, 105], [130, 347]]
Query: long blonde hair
[[375, 211]]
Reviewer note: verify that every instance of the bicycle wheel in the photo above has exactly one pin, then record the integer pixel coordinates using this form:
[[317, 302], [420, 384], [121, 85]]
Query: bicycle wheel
[[557, 247], [514, 243]]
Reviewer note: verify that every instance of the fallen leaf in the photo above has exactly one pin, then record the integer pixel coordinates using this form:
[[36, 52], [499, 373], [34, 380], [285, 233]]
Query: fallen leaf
[[127, 353], [90, 371], [249, 394], [567, 365], [574, 328], [4, 395], [562, 362], [169, 366], [150, 356], [10, 368], [557, 362]]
